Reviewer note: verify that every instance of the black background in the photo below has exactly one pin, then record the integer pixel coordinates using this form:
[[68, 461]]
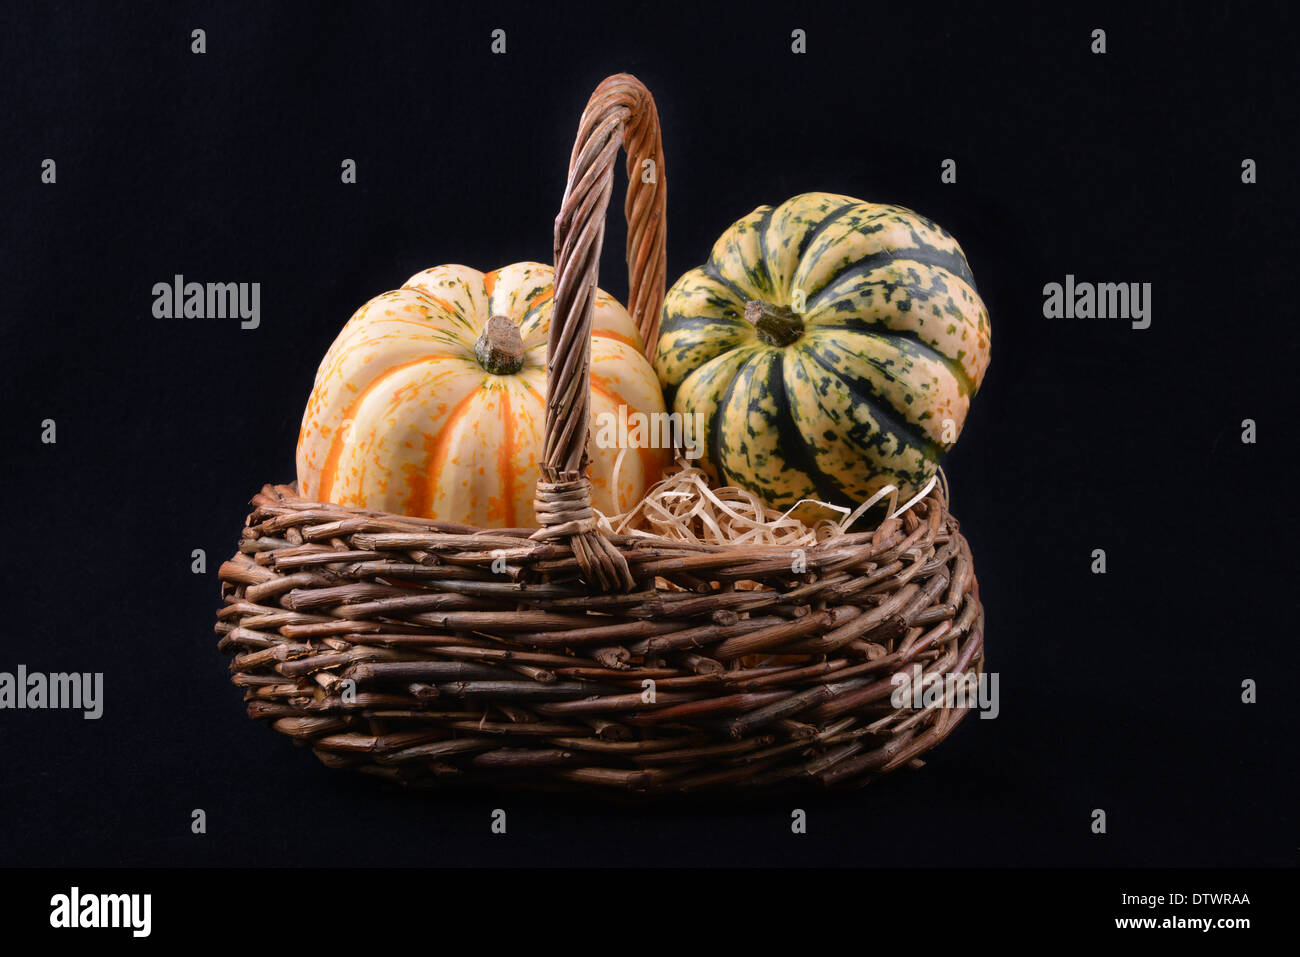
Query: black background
[[1118, 691]]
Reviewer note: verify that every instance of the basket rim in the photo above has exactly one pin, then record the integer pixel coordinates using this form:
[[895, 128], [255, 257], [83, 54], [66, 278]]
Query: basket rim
[[287, 496]]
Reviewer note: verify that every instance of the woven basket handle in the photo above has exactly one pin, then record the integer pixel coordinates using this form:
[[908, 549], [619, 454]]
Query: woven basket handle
[[620, 113]]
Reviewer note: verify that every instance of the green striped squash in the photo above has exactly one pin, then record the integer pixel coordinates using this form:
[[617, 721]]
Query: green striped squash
[[830, 345]]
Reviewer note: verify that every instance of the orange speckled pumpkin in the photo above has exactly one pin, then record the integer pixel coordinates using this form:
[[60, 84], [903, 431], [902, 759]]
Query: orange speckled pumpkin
[[424, 407]]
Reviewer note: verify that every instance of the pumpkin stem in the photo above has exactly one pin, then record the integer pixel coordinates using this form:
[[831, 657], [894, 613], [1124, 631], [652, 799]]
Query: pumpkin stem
[[500, 349], [776, 325]]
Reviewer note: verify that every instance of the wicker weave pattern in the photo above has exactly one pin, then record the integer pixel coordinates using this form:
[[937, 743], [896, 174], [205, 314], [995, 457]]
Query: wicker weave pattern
[[464, 674], [563, 656]]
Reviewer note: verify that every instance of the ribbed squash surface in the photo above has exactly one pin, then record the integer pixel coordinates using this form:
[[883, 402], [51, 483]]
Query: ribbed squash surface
[[405, 418], [890, 342]]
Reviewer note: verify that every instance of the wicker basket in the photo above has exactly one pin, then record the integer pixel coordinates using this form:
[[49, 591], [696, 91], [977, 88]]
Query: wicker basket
[[399, 647]]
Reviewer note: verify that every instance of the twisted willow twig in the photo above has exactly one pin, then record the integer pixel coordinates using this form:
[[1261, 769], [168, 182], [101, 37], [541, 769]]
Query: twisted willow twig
[[620, 113]]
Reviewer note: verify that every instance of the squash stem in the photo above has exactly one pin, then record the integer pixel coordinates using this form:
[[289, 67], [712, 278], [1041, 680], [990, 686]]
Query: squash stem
[[775, 325], [500, 349]]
